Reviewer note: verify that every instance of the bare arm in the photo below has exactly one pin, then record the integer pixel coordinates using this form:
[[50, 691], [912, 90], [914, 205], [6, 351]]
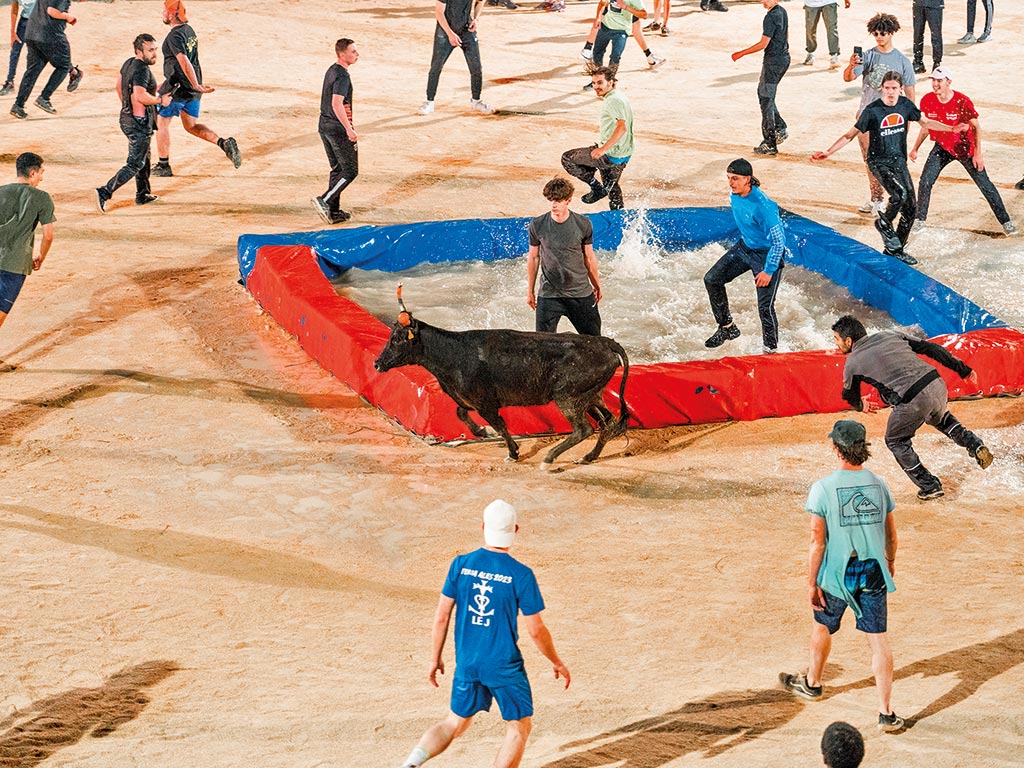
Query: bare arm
[[443, 23], [140, 96], [44, 246], [758, 46], [815, 555], [542, 639], [117, 87], [190, 73], [841, 142], [908, 91], [891, 542], [15, 13], [338, 105], [640, 13], [978, 162], [590, 262], [53, 13], [442, 617], [618, 133], [917, 144], [532, 265]]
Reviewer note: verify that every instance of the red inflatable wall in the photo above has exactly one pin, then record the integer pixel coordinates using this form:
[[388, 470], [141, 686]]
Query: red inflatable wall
[[345, 339]]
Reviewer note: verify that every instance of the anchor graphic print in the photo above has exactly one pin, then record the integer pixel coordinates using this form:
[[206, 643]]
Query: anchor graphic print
[[481, 615]]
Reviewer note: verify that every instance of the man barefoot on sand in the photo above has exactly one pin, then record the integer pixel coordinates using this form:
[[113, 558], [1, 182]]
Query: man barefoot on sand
[[490, 589]]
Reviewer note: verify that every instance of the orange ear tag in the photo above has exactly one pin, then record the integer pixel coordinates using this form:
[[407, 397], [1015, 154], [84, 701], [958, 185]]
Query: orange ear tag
[[404, 319]]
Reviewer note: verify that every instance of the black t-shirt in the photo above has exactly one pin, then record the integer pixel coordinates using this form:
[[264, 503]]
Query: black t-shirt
[[136, 72], [41, 26], [887, 128], [776, 26], [181, 39], [458, 13], [336, 82]]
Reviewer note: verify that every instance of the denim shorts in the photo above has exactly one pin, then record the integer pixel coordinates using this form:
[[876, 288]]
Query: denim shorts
[[175, 108], [10, 287], [515, 700], [865, 582]]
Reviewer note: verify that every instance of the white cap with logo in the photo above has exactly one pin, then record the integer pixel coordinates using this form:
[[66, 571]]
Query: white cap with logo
[[499, 524], [942, 73]]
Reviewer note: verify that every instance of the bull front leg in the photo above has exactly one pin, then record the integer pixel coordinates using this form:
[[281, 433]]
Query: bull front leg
[[494, 419]]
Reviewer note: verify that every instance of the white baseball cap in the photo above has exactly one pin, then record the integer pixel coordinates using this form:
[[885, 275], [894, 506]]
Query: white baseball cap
[[942, 73], [499, 524]]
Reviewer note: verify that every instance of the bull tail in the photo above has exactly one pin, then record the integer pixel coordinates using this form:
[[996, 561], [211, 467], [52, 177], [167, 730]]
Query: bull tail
[[620, 426]]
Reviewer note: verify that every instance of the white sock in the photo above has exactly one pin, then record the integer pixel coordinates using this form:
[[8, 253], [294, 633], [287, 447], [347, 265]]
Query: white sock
[[417, 758]]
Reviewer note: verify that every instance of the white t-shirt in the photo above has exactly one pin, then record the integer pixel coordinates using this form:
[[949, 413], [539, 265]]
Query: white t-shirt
[[819, 3]]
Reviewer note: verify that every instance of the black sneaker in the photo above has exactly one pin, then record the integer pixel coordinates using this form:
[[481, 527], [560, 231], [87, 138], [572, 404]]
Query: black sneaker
[[162, 169], [930, 493], [146, 199], [232, 151], [919, 68], [891, 723], [983, 456], [321, 208], [722, 335], [101, 199], [75, 79], [764, 148], [340, 217], [780, 137], [715, 5], [19, 113], [597, 192], [45, 105], [798, 684], [1019, 184], [7, 89], [902, 255]]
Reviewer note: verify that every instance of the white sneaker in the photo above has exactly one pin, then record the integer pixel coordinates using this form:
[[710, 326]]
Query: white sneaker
[[587, 54], [809, 60], [872, 207], [426, 108], [481, 107], [833, 62], [919, 226], [655, 60], [1009, 229]]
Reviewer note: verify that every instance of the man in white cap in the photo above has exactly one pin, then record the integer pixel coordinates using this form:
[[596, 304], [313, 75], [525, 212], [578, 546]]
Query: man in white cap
[[489, 588], [951, 107]]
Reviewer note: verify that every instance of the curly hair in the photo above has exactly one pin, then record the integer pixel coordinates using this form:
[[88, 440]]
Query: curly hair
[[884, 22], [842, 746], [559, 188], [855, 454]]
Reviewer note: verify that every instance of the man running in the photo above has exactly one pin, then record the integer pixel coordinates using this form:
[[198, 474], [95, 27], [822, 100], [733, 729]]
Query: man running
[[47, 43], [611, 156], [853, 532], [775, 44], [139, 101], [488, 589], [889, 361], [183, 79], [338, 133], [761, 250], [23, 206], [562, 250], [885, 123], [951, 107], [456, 28]]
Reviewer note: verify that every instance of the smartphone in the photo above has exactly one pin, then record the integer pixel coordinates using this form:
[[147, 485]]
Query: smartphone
[[858, 52]]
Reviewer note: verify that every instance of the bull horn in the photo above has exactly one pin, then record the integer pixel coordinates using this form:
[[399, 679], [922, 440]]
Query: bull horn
[[400, 302]]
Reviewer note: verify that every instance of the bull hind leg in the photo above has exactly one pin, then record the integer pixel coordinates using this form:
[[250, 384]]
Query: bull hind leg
[[606, 428], [494, 419], [576, 415], [463, 413]]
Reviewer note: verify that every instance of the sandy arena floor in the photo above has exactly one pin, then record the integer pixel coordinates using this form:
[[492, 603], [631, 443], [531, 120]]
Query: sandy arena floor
[[216, 555]]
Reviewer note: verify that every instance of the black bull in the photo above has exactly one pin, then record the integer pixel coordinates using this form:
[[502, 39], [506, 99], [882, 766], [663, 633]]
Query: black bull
[[483, 371]]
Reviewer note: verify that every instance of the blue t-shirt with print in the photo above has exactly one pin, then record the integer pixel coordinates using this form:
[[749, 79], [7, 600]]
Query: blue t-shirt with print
[[490, 589]]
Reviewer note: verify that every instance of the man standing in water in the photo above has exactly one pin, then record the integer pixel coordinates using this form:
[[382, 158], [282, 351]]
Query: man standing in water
[[562, 250], [885, 122], [761, 250], [488, 589]]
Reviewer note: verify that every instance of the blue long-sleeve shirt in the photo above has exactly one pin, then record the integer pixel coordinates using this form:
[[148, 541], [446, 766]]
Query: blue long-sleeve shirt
[[757, 218]]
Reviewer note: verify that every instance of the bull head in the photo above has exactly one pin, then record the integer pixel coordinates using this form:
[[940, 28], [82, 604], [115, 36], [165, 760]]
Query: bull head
[[403, 345]]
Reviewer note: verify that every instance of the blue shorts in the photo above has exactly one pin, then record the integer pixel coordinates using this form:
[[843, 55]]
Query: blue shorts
[[515, 700], [175, 108], [864, 580], [10, 287]]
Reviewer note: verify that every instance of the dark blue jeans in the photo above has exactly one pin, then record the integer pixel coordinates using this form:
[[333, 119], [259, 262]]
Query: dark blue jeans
[[736, 261], [16, 46], [443, 49], [616, 37], [57, 54]]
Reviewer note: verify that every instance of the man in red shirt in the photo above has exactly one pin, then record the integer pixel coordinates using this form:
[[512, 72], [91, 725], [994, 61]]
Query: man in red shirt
[[951, 107]]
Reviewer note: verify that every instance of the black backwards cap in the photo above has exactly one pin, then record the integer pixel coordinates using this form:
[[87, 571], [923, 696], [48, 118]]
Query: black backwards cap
[[742, 167]]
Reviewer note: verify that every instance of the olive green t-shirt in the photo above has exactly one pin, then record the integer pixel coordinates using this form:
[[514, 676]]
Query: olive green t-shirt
[[22, 207]]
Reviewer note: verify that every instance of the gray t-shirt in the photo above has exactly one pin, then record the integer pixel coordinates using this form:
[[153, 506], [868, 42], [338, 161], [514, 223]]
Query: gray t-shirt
[[563, 273], [22, 207], [873, 67]]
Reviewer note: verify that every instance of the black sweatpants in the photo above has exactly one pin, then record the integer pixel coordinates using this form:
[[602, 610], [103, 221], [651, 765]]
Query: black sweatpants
[[140, 133], [933, 18], [443, 49], [772, 70], [343, 155], [894, 176], [582, 313], [938, 159], [735, 262], [579, 163], [56, 53]]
